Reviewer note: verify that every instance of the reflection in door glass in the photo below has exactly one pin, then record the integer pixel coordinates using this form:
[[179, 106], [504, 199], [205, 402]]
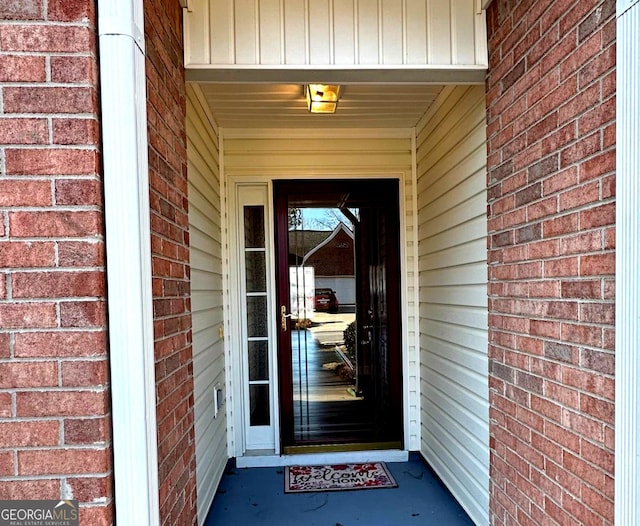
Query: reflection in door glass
[[322, 280], [341, 349]]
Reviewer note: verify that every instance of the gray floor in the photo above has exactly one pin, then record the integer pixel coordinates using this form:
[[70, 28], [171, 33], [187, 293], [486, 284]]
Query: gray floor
[[255, 496]]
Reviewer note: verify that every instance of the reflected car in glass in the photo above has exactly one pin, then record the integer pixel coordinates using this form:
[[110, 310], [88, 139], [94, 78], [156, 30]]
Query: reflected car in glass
[[325, 300]]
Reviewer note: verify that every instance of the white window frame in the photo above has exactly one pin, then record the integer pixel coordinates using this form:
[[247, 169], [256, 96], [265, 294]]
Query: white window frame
[[252, 439]]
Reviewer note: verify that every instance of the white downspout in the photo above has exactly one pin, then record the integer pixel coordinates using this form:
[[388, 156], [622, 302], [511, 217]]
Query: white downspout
[[128, 247], [627, 408]]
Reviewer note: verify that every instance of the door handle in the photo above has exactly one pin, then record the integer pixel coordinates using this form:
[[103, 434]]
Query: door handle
[[283, 318]]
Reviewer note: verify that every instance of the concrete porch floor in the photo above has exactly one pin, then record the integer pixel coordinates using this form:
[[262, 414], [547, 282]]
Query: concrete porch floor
[[255, 496]]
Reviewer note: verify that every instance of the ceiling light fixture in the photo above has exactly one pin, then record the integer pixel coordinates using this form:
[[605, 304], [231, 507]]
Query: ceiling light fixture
[[322, 98]]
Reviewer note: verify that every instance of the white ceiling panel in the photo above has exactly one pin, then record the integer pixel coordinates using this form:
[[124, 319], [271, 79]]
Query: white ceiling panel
[[255, 105]]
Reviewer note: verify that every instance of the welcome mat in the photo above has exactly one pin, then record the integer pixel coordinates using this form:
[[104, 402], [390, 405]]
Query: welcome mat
[[300, 479]]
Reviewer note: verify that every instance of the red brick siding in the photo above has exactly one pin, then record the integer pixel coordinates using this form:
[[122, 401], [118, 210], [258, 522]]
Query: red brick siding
[[551, 122], [170, 261], [55, 438]]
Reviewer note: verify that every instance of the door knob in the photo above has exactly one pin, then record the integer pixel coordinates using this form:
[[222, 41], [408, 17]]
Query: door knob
[[283, 317]]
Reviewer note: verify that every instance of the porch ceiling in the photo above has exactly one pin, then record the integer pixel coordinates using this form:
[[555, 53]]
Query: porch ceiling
[[262, 105]]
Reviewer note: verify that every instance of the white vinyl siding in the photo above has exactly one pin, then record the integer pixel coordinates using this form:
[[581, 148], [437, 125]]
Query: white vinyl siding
[[288, 33], [263, 155], [452, 230], [206, 300]]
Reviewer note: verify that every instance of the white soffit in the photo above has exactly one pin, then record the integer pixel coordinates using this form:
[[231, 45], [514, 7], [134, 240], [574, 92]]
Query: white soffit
[[284, 106]]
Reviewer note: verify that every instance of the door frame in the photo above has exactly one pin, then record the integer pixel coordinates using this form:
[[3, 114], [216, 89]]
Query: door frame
[[282, 292], [233, 343]]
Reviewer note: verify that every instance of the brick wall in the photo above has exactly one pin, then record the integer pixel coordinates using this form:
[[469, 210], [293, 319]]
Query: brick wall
[[170, 261], [551, 148], [54, 397]]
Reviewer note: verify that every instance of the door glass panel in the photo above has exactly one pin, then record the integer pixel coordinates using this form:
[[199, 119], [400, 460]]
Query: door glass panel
[[342, 351], [258, 360], [257, 316], [257, 319], [259, 405], [256, 271], [326, 401], [254, 226]]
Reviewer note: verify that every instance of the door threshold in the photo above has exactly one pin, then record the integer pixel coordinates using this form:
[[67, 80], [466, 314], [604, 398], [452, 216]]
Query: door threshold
[[325, 457], [336, 448]]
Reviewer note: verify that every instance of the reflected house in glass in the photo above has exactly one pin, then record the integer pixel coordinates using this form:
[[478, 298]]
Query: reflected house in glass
[[331, 255]]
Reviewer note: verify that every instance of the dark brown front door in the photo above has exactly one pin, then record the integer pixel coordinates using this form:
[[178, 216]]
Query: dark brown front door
[[338, 299]]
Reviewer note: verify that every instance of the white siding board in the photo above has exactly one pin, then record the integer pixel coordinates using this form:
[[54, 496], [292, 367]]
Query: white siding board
[[457, 463], [246, 25], [219, 14], [202, 168], [344, 46], [466, 386], [312, 156], [204, 145], [437, 116], [320, 29], [471, 295], [464, 212], [467, 340], [468, 188], [454, 256], [452, 230], [439, 128], [203, 295], [202, 151], [205, 242], [455, 236], [446, 151], [206, 300], [463, 362], [270, 32], [204, 208], [457, 411], [392, 31], [212, 239], [475, 317], [463, 45], [452, 445], [439, 31], [196, 51], [310, 146], [301, 160], [446, 158], [446, 155], [416, 33], [210, 365], [367, 32], [440, 125], [295, 32], [454, 275]]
